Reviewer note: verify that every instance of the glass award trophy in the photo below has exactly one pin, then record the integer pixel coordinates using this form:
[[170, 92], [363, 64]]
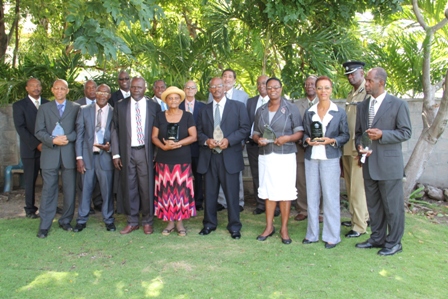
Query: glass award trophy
[[316, 131], [100, 136], [58, 130], [218, 135], [366, 146], [269, 134], [172, 132]]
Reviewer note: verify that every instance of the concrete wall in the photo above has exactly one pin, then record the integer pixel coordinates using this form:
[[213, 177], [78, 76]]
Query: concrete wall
[[436, 172]]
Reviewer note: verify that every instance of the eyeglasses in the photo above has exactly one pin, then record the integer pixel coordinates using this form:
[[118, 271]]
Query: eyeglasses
[[59, 88], [189, 87], [123, 79], [216, 86], [325, 87], [102, 93], [273, 87]]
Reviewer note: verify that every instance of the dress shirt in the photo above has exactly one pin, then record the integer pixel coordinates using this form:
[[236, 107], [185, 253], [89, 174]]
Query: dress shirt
[[104, 115], [314, 101], [63, 105], [33, 100], [379, 100], [125, 94], [189, 106], [318, 151], [142, 107], [221, 103], [229, 93], [89, 101]]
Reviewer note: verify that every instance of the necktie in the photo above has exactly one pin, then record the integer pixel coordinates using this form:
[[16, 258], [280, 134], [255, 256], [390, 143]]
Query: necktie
[[263, 101], [310, 103], [371, 112], [36, 102], [190, 108], [98, 120], [60, 106], [217, 116], [138, 119]]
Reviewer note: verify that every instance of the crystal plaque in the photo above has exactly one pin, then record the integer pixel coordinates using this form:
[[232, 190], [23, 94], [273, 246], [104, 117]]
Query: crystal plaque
[[58, 130], [100, 136], [172, 132], [366, 146], [316, 131], [218, 135], [269, 134]]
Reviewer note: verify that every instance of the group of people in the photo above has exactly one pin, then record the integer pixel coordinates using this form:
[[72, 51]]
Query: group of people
[[154, 153]]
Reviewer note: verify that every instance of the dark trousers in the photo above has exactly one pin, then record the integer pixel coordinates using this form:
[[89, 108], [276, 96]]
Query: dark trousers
[[31, 169], [385, 202], [139, 189], [252, 155], [215, 176], [49, 199], [198, 191]]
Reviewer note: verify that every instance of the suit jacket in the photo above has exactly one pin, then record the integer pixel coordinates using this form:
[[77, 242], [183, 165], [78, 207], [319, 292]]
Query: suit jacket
[[24, 113], [392, 118], [251, 105], [121, 137], [198, 106], [81, 101], [115, 97], [236, 128], [85, 137], [238, 95], [47, 117], [303, 105]]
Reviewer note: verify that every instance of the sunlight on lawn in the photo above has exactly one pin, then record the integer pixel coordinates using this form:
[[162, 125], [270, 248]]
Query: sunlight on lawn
[[50, 278], [385, 273], [153, 288]]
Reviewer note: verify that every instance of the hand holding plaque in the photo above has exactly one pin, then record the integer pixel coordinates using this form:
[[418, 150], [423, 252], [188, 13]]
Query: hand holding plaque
[[218, 135], [58, 130], [269, 134], [365, 147], [316, 132]]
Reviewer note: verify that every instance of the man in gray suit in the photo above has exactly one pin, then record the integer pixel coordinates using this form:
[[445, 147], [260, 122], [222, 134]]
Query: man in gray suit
[[55, 128], [229, 79], [133, 154], [89, 93], [221, 161], [93, 158], [385, 120]]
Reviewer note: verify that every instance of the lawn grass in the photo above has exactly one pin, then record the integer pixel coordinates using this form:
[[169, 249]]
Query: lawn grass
[[100, 264]]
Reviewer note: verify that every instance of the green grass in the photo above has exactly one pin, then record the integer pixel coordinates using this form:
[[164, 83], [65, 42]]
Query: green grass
[[100, 264]]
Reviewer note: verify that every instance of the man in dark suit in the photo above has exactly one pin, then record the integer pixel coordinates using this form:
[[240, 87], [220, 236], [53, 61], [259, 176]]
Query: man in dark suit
[[133, 154], [93, 158], [191, 105], [24, 114], [158, 88], [89, 93], [55, 128], [221, 161], [123, 92], [385, 120]]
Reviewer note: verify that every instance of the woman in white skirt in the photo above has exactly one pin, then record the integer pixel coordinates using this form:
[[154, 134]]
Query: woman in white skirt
[[277, 127], [322, 169]]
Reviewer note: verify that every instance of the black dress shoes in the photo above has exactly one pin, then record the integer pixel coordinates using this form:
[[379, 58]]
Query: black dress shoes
[[241, 208], [220, 207], [59, 210], [235, 235], [286, 241], [263, 238], [367, 245], [353, 234], [92, 211], [258, 211], [206, 230], [66, 226], [199, 208], [79, 227], [329, 246], [110, 227], [391, 251], [346, 223], [32, 215], [42, 233], [306, 241]]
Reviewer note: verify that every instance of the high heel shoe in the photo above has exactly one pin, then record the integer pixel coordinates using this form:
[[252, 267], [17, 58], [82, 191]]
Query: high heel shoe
[[263, 238]]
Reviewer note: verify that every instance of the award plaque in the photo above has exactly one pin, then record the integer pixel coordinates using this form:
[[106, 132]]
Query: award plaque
[[269, 134], [316, 131], [366, 146], [100, 136], [172, 132], [218, 135], [58, 130]]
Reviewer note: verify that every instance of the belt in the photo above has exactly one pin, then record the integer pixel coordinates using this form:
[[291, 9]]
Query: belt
[[138, 147], [96, 153]]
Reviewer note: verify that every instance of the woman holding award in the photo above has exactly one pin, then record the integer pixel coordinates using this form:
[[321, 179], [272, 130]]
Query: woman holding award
[[326, 132], [174, 130], [277, 127]]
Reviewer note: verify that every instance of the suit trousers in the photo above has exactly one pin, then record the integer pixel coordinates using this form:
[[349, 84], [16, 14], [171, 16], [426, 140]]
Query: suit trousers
[[354, 184], [49, 199], [323, 175], [385, 201], [31, 169], [139, 188], [215, 176], [222, 197], [99, 178], [252, 154], [302, 204]]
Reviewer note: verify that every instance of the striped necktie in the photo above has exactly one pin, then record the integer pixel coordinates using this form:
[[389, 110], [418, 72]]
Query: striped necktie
[[138, 120], [371, 112]]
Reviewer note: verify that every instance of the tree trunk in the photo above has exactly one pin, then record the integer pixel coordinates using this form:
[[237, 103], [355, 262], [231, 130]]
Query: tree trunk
[[3, 35]]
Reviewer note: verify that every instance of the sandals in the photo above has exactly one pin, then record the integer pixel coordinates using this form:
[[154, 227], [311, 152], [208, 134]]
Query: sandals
[[182, 233], [167, 232]]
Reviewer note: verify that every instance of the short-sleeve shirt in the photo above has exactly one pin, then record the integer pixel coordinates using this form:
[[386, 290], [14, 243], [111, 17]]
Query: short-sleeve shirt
[[180, 155]]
